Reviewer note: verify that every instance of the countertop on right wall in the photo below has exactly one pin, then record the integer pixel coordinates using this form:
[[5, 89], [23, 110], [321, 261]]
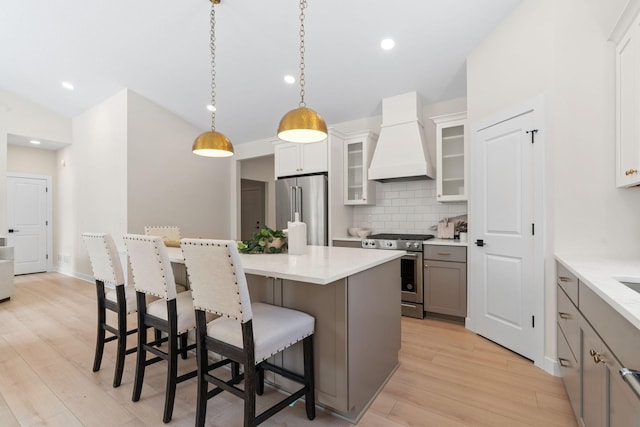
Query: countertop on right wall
[[599, 275]]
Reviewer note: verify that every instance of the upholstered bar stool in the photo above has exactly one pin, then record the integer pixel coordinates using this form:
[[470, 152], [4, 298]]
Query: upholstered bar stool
[[244, 333], [170, 235], [171, 313], [107, 271]]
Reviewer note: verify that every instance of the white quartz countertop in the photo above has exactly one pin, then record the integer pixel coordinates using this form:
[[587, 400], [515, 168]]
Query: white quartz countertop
[[600, 275], [320, 265], [445, 242]]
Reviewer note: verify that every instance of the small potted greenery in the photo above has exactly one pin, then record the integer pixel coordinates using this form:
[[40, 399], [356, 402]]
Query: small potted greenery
[[266, 241]]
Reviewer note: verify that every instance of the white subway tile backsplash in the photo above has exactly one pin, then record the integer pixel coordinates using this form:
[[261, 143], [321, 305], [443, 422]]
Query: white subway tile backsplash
[[405, 207]]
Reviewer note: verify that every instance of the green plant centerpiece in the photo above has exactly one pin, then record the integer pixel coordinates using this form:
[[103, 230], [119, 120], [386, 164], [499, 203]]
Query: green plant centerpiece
[[265, 241]]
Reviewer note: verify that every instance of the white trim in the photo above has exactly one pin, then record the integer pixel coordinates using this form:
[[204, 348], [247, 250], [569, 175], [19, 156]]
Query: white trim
[[80, 276], [552, 366], [49, 212], [628, 15], [535, 105]]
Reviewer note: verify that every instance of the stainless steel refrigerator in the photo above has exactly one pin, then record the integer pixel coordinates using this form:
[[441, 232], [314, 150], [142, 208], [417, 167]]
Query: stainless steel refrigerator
[[307, 195]]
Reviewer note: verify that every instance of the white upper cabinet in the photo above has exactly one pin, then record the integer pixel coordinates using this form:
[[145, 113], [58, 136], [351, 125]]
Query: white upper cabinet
[[299, 159], [451, 157], [358, 150], [628, 107]]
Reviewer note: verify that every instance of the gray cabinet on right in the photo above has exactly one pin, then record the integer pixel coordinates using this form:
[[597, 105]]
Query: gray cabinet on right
[[445, 280], [594, 343]]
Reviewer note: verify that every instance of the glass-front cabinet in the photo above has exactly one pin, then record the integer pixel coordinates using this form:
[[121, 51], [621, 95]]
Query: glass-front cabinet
[[358, 150], [451, 157]]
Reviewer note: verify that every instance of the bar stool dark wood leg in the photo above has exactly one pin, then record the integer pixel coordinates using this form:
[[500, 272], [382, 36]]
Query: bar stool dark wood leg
[[102, 318]]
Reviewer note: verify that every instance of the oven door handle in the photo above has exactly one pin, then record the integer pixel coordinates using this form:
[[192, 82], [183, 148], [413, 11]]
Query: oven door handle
[[630, 377], [410, 255]]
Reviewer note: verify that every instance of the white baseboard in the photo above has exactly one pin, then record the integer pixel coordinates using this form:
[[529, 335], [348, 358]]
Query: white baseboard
[[75, 274], [551, 366]]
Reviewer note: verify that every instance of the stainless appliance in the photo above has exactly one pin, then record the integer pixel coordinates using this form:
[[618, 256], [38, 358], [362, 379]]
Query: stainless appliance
[[308, 196], [411, 266]]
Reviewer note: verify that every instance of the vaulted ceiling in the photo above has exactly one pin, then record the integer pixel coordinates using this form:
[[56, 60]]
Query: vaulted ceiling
[[160, 49]]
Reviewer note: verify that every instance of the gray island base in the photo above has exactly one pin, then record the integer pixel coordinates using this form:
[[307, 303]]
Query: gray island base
[[354, 295], [357, 336]]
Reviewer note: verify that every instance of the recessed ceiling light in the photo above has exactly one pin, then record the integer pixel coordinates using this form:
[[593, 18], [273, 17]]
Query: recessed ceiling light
[[35, 142], [67, 85], [211, 108], [387, 44], [289, 79]]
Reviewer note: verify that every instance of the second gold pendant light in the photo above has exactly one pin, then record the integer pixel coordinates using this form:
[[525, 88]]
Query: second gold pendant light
[[302, 125]]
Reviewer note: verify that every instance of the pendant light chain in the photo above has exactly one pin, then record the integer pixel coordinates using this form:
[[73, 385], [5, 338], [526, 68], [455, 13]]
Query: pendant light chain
[[303, 5], [212, 45]]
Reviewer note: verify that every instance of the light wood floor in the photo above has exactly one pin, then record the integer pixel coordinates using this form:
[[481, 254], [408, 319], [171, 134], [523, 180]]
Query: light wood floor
[[447, 375]]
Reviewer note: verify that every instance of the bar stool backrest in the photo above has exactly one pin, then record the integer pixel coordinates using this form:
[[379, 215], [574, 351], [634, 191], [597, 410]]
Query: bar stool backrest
[[104, 257], [217, 279], [151, 267]]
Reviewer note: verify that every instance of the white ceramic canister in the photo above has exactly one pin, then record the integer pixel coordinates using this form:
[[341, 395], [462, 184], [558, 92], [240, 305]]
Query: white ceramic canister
[[297, 236]]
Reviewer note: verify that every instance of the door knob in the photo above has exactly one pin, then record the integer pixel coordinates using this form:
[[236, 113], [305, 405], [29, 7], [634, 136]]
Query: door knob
[[480, 242]]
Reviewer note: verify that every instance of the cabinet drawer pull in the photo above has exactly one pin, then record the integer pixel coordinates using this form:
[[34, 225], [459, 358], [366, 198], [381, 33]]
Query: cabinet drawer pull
[[597, 357], [564, 279], [564, 362], [630, 172], [565, 316], [444, 253]]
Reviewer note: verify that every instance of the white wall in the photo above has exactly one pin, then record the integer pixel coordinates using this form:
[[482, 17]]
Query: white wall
[[31, 160], [92, 187], [167, 183], [21, 117], [560, 50]]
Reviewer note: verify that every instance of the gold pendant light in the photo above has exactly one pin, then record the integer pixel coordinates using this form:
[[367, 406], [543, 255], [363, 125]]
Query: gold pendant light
[[212, 143], [302, 125]]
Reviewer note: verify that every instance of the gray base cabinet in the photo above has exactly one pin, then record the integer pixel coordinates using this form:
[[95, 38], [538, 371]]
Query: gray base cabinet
[[445, 280], [594, 377], [594, 343]]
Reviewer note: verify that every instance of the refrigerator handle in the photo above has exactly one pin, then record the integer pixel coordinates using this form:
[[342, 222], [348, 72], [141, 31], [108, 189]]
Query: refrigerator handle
[[294, 202], [299, 201]]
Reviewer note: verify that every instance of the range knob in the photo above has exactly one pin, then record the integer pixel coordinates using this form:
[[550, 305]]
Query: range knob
[[389, 244], [408, 245], [416, 245]]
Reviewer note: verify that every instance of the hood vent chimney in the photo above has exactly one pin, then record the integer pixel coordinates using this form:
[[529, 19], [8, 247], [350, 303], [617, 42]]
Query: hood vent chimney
[[401, 151]]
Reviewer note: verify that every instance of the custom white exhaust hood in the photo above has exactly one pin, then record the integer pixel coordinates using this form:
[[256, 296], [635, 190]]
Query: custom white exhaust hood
[[401, 151]]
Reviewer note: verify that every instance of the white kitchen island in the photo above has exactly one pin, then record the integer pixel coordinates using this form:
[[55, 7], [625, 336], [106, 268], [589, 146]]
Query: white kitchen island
[[354, 295]]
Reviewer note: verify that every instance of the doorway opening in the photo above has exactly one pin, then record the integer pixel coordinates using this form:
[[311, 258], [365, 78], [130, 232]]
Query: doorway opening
[[253, 207]]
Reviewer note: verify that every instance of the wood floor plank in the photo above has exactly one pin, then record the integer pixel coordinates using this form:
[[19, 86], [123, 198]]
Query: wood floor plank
[[6, 415], [448, 376]]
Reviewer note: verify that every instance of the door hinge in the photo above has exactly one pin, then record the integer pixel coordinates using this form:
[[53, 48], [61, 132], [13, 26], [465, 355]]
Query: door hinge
[[533, 321], [47, 256], [46, 223], [533, 229], [46, 189], [532, 132]]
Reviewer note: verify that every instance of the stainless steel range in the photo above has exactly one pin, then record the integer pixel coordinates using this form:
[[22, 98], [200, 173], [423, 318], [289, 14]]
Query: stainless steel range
[[411, 267]]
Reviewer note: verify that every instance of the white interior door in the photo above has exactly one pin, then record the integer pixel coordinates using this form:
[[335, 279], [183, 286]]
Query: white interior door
[[504, 294], [27, 203]]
